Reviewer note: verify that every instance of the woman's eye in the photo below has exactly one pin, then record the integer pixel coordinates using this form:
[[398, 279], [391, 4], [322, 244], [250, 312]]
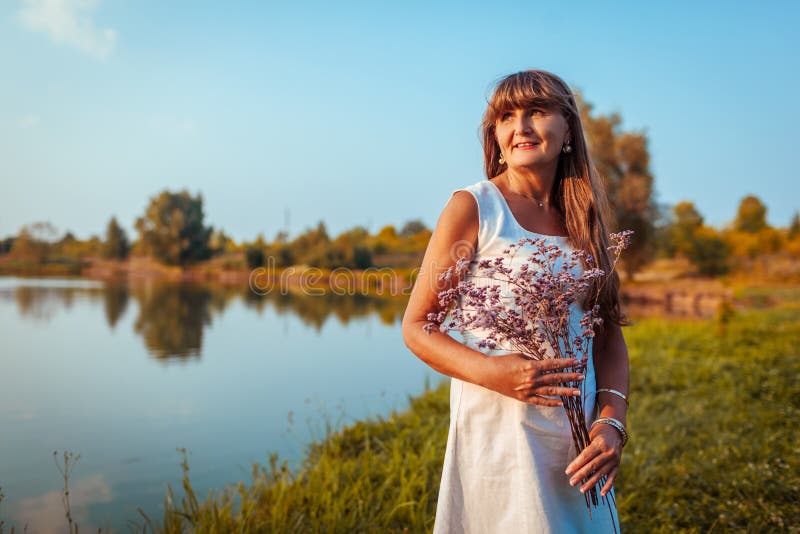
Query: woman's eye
[[505, 116], [537, 111]]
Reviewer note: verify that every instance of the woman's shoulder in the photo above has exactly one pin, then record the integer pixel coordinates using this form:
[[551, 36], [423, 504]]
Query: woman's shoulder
[[465, 202], [480, 186], [461, 207]]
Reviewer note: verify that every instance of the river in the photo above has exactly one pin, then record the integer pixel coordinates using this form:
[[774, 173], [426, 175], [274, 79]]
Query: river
[[125, 373]]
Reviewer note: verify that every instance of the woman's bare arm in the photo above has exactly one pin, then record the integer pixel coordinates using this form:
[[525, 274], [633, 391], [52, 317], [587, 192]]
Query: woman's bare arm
[[603, 455], [455, 236], [611, 370]]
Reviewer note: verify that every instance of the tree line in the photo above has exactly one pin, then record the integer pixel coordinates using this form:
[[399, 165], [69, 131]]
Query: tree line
[[173, 230]]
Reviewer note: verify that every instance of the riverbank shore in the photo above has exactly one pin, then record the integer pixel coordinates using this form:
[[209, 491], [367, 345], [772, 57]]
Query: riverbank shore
[[654, 293]]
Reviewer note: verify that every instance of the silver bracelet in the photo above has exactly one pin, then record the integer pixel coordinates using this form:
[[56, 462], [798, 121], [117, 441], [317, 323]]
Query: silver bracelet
[[617, 393], [616, 424]]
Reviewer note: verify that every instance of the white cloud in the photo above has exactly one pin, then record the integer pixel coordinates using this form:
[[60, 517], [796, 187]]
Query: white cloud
[[69, 22], [28, 122]]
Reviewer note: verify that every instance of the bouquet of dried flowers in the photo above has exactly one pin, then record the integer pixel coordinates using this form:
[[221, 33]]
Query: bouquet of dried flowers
[[538, 325]]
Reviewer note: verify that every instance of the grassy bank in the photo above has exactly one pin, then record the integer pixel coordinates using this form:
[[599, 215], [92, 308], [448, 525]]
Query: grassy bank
[[714, 414], [714, 446]]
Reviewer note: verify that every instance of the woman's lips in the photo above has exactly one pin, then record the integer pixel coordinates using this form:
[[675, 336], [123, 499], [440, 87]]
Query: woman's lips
[[526, 146]]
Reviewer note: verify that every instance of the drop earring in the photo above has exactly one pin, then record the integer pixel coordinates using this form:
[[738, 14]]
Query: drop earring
[[501, 161], [567, 148]]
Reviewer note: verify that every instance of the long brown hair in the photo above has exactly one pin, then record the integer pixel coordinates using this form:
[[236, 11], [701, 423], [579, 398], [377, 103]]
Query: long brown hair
[[581, 198]]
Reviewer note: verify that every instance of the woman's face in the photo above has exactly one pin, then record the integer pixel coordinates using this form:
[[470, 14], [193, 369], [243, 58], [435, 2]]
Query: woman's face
[[531, 137]]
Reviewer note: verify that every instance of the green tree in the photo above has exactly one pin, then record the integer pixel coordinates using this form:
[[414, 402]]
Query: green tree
[[709, 252], [751, 216], [254, 252], [172, 229], [254, 256], [623, 160], [412, 227], [685, 223], [6, 245], [280, 250], [703, 246], [662, 238], [116, 245]]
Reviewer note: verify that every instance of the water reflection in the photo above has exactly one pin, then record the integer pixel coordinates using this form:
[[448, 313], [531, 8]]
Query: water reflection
[[41, 303], [316, 310], [46, 511], [115, 302], [171, 317]]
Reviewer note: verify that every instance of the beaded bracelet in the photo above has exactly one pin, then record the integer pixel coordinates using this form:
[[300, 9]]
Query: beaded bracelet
[[615, 392], [616, 424]]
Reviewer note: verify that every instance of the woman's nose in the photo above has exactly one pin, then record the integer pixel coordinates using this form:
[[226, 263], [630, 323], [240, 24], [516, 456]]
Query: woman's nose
[[522, 125]]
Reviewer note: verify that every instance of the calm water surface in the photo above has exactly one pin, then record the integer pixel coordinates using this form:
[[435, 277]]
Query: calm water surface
[[124, 374]]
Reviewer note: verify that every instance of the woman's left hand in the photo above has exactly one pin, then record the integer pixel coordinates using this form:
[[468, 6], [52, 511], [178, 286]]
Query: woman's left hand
[[601, 457]]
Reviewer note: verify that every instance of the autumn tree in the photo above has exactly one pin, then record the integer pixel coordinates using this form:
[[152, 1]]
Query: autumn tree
[[385, 240], [751, 216], [793, 236], [70, 247], [34, 242], [172, 229], [794, 227], [220, 242], [315, 247], [750, 235], [623, 160], [116, 245], [353, 246], [311, 247], [27, 248]]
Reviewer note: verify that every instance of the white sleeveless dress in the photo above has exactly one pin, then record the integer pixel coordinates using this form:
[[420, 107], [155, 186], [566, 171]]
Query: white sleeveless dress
[[505, 459]]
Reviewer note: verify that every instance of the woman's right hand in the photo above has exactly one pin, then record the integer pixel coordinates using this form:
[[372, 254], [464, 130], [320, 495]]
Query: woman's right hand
[[519, 377]]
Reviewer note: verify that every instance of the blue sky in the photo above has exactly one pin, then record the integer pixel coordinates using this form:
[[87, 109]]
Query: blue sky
[[366, 113]]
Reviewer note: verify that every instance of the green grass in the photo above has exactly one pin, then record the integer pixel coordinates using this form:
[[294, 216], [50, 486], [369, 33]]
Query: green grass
[[713, 423]]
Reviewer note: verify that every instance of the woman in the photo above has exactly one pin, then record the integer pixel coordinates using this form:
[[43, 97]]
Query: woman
[[510, 463]]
